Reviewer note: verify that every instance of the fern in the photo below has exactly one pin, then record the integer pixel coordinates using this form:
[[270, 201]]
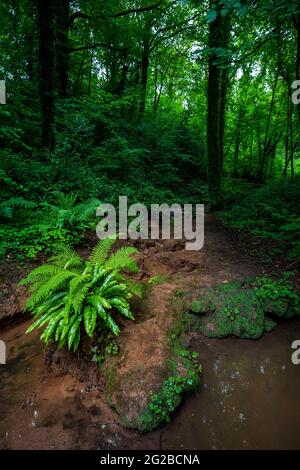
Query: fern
[[101, 251], [68, 213], [7, 207], [66, 257], [70, 295], [122, 260]]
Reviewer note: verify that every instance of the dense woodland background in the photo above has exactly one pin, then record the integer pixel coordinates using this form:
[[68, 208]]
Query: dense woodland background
[[159, 100]]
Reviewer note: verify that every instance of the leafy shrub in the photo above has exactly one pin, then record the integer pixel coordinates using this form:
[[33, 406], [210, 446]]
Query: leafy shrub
[[72, 296], [59, 219], [66, 212], [278, 297], [290, 233], [268, 211], [29, 241]]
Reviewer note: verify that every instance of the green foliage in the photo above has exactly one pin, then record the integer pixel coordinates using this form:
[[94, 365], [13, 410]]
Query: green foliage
[[268, 211], [104, 347], [157, 279], [278, 297], [291, 234], [70, 296], [67, 213], [244, 310], [164, 403], [59, 219]]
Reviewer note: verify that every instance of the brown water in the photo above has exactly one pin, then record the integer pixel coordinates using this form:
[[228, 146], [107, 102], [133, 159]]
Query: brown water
[[249, 399]]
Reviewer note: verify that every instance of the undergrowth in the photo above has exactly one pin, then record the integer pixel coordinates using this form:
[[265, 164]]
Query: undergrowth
[[269, 211]]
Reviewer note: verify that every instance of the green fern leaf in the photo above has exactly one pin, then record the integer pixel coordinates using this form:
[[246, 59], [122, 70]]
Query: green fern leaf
[[101, 251], [121, 260], [54, 284], [73, 330], [90, 319]]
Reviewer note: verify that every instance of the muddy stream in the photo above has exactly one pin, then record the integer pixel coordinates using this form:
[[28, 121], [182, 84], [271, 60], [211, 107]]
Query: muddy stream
[[249, 398], [249, 393]]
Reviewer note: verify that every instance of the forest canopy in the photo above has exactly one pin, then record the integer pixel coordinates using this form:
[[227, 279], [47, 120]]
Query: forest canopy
[[158, 100]]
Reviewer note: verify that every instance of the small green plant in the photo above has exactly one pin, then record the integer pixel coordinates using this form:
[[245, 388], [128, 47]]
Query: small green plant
[[178, 294], [164, 403], [66, 212], [104, 347], [277, 296], [156, 279], [70, 296]]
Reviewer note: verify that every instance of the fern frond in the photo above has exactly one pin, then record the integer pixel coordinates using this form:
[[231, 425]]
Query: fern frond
[[102, 250], [54, 284], [40, 274], [121, 259], [65, 201], [134, 287], [90, 319], [123, 307], [20, 202], [87, 209], [67, 257], [78, 289], [74, 331]]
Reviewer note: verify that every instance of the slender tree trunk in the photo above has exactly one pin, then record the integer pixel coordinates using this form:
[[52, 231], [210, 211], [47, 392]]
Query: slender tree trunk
[[264, 153], [46, 69], [62, 21], [90, 73], [124, 71], [144, 76], [237, 141], [224, 84], [236, 155], [217, 81]]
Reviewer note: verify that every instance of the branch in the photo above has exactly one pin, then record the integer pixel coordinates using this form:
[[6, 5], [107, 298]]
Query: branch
[[137, 10], [174, 33], [168, 28], [261, 43], [96, 45], [79, 14]]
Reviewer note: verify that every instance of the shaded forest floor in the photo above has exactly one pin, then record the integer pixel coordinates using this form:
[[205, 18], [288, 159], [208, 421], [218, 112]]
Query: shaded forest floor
[[40, 409]]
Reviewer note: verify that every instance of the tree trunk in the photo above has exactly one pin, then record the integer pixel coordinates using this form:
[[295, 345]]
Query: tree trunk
[[266, 141], [46, 69], [62, 21], [144, 76], [224, 83], [216, 98], [236, 155]]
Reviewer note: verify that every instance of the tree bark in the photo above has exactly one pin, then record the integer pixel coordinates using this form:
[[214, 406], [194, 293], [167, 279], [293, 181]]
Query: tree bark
[[265, 152], [62, 21], [144, 76], [216, 99], [46, 69]]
